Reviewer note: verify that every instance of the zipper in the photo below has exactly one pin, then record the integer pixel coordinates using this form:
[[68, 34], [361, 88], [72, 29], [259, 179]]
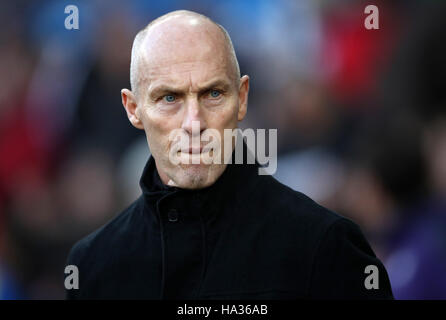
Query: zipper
[[203, 270], [163, 255]]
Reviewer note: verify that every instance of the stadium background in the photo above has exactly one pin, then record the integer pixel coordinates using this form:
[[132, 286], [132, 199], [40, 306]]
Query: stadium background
[[360, 116]]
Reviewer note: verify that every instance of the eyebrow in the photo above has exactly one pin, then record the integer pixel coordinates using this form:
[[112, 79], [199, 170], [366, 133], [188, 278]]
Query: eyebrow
[[219, 83], [166, 89], [163, 90]]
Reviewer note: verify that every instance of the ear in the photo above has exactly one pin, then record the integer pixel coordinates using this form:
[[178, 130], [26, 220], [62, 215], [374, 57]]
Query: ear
[[130, 106], [243, 97]]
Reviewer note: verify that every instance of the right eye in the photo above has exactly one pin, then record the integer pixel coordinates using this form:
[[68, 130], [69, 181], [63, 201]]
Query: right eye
[[169, 98]]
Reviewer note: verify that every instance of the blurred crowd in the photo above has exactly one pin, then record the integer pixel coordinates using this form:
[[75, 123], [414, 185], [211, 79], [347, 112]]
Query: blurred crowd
[[361, 119]]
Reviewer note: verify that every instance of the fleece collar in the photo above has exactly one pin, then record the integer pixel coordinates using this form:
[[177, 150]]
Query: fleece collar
[[229, 187]]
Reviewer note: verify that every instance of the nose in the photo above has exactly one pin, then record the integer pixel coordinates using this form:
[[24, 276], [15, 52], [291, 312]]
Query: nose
[[193, 122]]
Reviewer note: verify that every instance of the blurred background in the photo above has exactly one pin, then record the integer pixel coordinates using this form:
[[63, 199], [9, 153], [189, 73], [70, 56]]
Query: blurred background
[[361, 119]]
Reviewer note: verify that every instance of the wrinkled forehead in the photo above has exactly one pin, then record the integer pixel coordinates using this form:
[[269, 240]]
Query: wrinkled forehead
[[184, 48]]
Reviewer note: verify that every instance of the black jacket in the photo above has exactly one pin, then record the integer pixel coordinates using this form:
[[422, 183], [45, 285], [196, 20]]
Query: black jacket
[[245, 237]]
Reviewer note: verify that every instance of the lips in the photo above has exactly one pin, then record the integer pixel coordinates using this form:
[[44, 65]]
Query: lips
[[192, 150], [195, 150]]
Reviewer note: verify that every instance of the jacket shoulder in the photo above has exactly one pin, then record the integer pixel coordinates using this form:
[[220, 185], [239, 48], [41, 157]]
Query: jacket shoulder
[[341, 265], [294, 206], [336, 251], [104, 235]]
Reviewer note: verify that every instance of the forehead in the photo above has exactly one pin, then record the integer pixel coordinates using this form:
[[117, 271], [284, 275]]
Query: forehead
[[186, 72], [176, 53]]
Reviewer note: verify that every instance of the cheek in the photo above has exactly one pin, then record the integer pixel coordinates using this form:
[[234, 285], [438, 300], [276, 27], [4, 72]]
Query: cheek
[[157, 128], [226, 117]]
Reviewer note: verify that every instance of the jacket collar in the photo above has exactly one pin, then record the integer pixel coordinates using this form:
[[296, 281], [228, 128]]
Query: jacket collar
[[229, 186]]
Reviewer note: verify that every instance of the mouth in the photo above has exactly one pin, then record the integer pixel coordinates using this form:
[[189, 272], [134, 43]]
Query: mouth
[[197, 155], [192, 150]]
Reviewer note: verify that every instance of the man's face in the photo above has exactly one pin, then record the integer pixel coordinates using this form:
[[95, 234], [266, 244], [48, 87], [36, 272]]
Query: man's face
[[187, 80]]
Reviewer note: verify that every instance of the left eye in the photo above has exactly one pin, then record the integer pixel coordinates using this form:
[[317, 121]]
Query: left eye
[[215, 93]]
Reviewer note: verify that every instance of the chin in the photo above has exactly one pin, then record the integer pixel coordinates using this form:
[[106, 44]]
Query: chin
[[198, 176]]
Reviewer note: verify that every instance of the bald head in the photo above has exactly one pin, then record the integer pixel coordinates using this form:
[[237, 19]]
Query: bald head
[[179, 35]]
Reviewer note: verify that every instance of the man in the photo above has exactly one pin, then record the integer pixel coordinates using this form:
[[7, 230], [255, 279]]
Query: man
[[218, 230]]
